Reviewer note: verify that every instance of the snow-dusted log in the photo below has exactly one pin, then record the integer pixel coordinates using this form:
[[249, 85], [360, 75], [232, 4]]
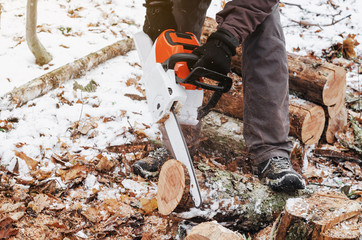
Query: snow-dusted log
[[234, 200], [222, 133], [42, 56], [49, 81], [318, 217], [212, 231]]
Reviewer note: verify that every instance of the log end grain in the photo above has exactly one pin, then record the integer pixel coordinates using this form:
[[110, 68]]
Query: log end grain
[[171, 186], [212, 231], [307, 120]]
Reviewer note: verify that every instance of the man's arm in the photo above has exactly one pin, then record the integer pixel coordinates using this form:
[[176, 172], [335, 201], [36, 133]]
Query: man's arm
[[241, 17]]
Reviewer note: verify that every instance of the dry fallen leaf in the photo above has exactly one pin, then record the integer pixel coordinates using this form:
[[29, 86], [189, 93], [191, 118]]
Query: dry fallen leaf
[[77, 171], [29, 161], [105, 164], [348, 47]]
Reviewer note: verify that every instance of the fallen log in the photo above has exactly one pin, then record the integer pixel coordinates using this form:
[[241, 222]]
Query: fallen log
[[311, 218], [307, 120], [52, 80], [237, 201], [319, 82], [212, 231]]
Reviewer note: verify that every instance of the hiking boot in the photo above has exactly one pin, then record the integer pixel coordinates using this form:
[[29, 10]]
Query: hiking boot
[[279, 175], [158, 18], [149, 166]]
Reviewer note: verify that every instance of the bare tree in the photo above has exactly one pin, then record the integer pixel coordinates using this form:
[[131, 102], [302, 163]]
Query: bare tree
[[40, 53]]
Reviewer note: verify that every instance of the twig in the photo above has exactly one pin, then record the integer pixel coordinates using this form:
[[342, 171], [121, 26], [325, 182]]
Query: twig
[[307, 24], [307, 11]]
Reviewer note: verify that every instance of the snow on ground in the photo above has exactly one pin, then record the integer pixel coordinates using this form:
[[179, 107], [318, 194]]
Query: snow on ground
[[70, 29]]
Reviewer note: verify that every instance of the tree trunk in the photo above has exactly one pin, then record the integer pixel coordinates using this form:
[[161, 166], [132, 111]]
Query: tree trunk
[[212, 231], [49, 81], [35, 46], [311, 218]]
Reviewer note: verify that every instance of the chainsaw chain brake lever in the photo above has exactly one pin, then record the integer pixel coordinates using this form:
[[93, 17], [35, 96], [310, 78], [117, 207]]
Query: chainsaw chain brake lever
[[224, 82]]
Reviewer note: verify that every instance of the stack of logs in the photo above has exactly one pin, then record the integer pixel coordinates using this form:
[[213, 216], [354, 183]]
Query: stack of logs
[[318, 111]]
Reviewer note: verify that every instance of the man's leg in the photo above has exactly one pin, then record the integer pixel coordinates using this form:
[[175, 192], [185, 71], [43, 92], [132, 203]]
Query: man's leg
[[190, 15], [266, 95]]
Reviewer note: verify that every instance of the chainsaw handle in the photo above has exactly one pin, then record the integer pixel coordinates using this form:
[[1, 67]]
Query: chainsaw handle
[[170, 63], [224, 82]]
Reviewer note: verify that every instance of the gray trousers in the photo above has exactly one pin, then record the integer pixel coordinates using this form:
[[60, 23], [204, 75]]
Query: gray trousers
[[265, 80]]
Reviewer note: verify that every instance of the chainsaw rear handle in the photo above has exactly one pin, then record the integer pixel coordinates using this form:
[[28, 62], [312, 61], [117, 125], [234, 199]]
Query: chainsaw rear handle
[[224, 83]]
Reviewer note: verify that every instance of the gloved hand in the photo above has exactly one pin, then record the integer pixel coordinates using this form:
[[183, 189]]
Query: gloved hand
[[216, 53], [158, 18]]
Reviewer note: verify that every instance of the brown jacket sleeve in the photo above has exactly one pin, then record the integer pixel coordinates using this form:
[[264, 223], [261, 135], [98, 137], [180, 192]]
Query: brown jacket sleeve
[[241, 17]]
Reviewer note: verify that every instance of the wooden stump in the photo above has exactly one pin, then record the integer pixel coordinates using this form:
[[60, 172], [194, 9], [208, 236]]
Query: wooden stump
[[173, 187], [212, 231], [311, 218]]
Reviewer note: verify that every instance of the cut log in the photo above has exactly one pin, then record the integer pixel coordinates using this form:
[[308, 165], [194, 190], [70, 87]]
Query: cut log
[[311, 218], [336, 124], [322, 83], [307, 120], [239, 202], [173, 187], [212, 231], [49, 81], [316, 81]]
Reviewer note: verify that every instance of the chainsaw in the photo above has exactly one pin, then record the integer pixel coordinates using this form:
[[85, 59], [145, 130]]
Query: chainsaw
[[174, 93]]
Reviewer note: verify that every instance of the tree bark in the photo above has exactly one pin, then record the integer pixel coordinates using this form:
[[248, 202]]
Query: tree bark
[[222, 133], [52, 80], [311, 218], [35, 46]]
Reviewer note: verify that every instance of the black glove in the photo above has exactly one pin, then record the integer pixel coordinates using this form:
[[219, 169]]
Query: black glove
[[216, 53], [158, 18]]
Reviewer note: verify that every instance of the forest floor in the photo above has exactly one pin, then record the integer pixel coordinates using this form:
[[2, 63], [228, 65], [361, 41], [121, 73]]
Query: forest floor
[[66, 157]]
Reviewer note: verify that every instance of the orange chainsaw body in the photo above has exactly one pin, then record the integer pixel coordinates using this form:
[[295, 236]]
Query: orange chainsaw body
[[171, 42]]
